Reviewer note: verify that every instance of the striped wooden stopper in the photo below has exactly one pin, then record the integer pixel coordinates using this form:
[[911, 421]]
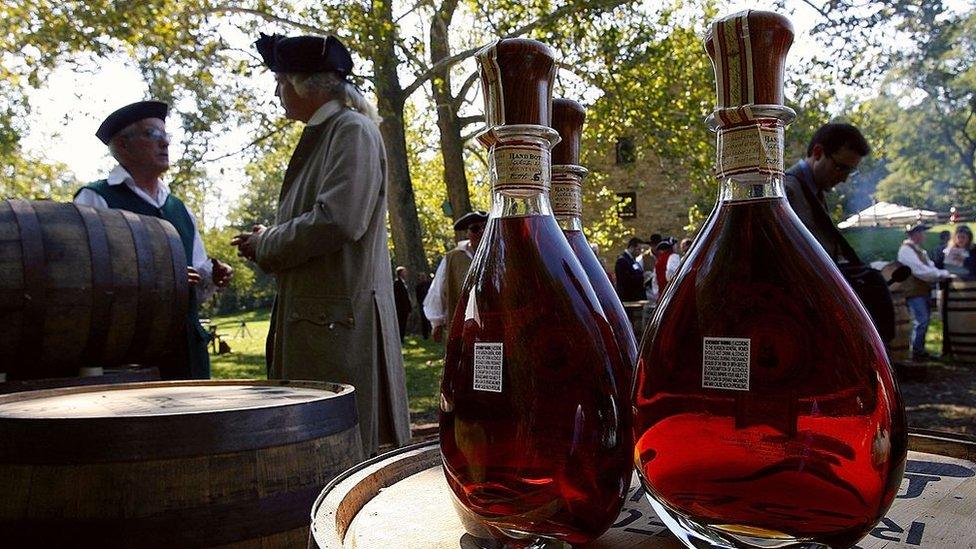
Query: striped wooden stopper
[[516, 77], [748, 52], [567, 175]]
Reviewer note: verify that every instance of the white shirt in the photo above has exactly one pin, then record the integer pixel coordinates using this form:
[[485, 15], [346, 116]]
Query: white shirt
[[671, 269], [434, 307], [324, 112], [119, 176], [925, 271]]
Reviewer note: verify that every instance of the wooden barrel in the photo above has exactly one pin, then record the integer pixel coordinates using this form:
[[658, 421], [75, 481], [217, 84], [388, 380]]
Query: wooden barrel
[[959, 326], [899, 348], [171, 464], [108, 376], [83, 286], [401, 500]]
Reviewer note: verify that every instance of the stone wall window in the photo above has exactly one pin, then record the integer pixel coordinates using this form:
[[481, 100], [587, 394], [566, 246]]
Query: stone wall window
[[626, 153], [627, 205]]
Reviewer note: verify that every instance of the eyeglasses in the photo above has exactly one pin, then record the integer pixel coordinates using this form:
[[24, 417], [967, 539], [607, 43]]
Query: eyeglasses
[[476, 228], [851, 171], [154, 134]]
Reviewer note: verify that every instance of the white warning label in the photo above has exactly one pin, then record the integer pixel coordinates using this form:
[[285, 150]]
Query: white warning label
[[725, 363], [488, 367]]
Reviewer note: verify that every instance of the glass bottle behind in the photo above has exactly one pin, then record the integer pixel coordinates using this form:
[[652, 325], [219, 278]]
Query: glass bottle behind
[[567, 205], [766, 413], [533, 422]]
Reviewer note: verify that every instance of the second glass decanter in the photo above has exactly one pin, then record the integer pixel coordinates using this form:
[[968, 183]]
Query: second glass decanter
[[766, 412]]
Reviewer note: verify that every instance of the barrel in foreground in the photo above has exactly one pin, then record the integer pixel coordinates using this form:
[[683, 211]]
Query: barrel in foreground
[[174, 464]]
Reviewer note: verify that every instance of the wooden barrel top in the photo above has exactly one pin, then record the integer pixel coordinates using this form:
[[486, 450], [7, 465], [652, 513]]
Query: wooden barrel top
[[402, 500], [156, 399], [168, 419]]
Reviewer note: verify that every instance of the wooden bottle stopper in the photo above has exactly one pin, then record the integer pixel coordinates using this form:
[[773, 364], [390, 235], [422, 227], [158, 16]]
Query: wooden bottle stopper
[[567, 119], [748, 52], [516, 79], [566, 195]]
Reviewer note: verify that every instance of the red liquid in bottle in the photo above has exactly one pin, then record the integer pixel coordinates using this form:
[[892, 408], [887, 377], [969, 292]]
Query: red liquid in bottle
[[550, 454], [623, 331], [816, 447]]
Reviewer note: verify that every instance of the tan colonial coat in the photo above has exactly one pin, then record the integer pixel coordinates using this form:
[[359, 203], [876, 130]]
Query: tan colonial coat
[[335, 318]]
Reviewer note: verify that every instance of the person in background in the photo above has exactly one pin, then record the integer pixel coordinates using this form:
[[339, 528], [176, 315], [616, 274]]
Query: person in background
[[136, 137], [918, 287], [334, 317], [423, 286], [684, 246], [445, 290], [959, 258], [401, 298], [666, 265], [629, 272], [938, 257], [833, 155]]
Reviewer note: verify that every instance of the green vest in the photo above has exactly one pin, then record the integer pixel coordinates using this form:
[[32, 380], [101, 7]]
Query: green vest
[[123, 198]]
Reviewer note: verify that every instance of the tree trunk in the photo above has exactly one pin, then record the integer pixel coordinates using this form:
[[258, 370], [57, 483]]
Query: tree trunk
[[404, 222], [452, 146]]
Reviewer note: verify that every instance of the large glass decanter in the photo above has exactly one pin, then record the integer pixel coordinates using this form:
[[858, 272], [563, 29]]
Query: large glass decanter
[[766, 413], [534, 418], [567, 205]]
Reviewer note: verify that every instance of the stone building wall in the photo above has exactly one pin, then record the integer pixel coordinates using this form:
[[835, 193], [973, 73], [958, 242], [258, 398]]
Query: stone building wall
[[661, 206]]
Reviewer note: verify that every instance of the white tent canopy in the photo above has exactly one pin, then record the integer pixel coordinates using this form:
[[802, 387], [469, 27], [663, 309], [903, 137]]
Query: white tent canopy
[[886, 214]]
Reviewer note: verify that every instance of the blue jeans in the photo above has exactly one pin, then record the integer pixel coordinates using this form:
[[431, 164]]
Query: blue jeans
[[919, 306]]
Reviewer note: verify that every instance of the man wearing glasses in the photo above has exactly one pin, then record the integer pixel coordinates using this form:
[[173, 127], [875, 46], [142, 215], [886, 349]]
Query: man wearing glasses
[[833, 155], [137, 139], [445, 290]]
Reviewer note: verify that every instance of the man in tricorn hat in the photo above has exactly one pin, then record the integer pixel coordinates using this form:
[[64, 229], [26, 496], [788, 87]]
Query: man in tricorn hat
[[445, 290], [334, 317], [136, 137], [918, 287]]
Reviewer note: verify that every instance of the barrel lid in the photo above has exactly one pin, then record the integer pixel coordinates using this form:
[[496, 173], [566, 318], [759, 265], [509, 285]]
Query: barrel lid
[[138, 421], [159, 399]]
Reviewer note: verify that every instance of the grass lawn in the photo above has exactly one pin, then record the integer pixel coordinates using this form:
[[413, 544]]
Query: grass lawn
[[422, 359]]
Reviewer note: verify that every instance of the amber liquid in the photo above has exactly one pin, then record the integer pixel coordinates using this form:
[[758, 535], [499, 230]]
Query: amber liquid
[[815, 448], [550, 455], [623, 331]]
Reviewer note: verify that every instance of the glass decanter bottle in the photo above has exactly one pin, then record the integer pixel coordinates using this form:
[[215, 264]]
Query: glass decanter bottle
[[567, 206], [766, 413], [533, 418]]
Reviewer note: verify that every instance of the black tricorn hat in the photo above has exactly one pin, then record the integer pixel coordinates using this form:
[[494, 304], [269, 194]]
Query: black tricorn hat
[[469, 218], [917, 228], [305, 54], [120, 119]]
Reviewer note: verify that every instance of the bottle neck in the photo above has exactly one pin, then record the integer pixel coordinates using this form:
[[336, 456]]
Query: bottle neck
[[751, 187], [749, 160], [567, 195], [519, 169]]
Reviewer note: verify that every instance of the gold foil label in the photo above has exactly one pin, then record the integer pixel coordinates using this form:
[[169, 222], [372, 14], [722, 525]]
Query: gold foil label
[[749, 149], [566, 195], [521, 167]]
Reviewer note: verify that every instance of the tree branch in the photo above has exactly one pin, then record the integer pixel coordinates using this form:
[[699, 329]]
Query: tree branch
[[525, 29], [261, 138], [468, 120], [459, 98], [411, 56], [262, 15], [470, 136]]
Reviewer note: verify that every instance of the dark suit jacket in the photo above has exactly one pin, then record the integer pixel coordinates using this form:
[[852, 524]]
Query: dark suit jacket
[[401, 298], [630, 278], [799, 175]]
